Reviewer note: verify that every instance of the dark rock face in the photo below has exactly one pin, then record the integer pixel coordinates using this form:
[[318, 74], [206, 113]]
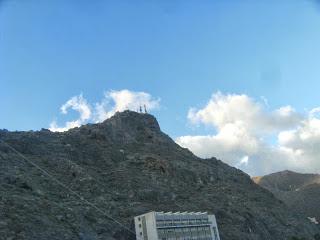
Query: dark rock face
[[127, 166], [300, 192]]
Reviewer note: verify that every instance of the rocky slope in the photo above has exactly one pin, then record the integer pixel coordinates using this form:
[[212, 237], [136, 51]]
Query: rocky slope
[[127, 166], [301, 192]]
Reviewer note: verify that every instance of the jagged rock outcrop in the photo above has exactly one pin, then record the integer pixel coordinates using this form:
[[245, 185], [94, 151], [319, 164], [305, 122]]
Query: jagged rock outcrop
[[127, 166], [300, 192]]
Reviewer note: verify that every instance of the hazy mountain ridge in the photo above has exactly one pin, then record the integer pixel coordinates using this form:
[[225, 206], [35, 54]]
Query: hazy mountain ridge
[[301, 192], [127, 166]]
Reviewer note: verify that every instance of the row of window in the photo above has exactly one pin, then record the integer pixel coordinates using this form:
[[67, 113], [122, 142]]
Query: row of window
[[144, 228], [183, 233], [177, 222]]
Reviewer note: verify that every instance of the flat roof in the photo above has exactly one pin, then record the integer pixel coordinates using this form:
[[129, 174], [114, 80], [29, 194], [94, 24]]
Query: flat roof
[[181, 213]]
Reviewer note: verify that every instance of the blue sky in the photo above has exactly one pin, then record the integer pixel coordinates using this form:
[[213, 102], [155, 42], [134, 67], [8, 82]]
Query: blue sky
[[179, 51]]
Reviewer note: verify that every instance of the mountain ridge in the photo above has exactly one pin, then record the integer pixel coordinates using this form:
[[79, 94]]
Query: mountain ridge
[[299, 191], [127, 167]]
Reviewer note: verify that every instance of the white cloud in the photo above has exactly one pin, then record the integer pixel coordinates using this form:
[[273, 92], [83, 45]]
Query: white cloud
[[117, 101], [112, 102], [78, 104], [313, 112], [224, 109], [228, 144], [243, 161], [303, 143], [243, 111], [273, 140]]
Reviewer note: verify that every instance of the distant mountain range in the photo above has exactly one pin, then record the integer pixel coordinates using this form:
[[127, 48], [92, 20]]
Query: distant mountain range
[[127, 166], [300, 192]]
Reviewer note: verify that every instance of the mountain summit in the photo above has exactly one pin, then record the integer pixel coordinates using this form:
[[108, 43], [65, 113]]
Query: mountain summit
[[126, 166]]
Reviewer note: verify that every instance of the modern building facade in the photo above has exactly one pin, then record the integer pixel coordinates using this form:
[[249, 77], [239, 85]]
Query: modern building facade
[[176, 226]]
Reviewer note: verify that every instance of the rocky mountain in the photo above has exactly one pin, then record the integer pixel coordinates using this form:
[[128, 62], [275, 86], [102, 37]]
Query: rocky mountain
[[300, 192], [126, 166]]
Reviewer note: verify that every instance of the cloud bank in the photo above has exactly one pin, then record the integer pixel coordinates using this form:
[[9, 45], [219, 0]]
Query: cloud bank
[[254, 138], [112, 102]]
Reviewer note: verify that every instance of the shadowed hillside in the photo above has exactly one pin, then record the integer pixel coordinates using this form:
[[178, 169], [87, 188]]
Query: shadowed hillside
[[301, 192]]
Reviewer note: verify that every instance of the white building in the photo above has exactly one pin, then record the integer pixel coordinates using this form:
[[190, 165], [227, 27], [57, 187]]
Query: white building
[[176, 226]]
